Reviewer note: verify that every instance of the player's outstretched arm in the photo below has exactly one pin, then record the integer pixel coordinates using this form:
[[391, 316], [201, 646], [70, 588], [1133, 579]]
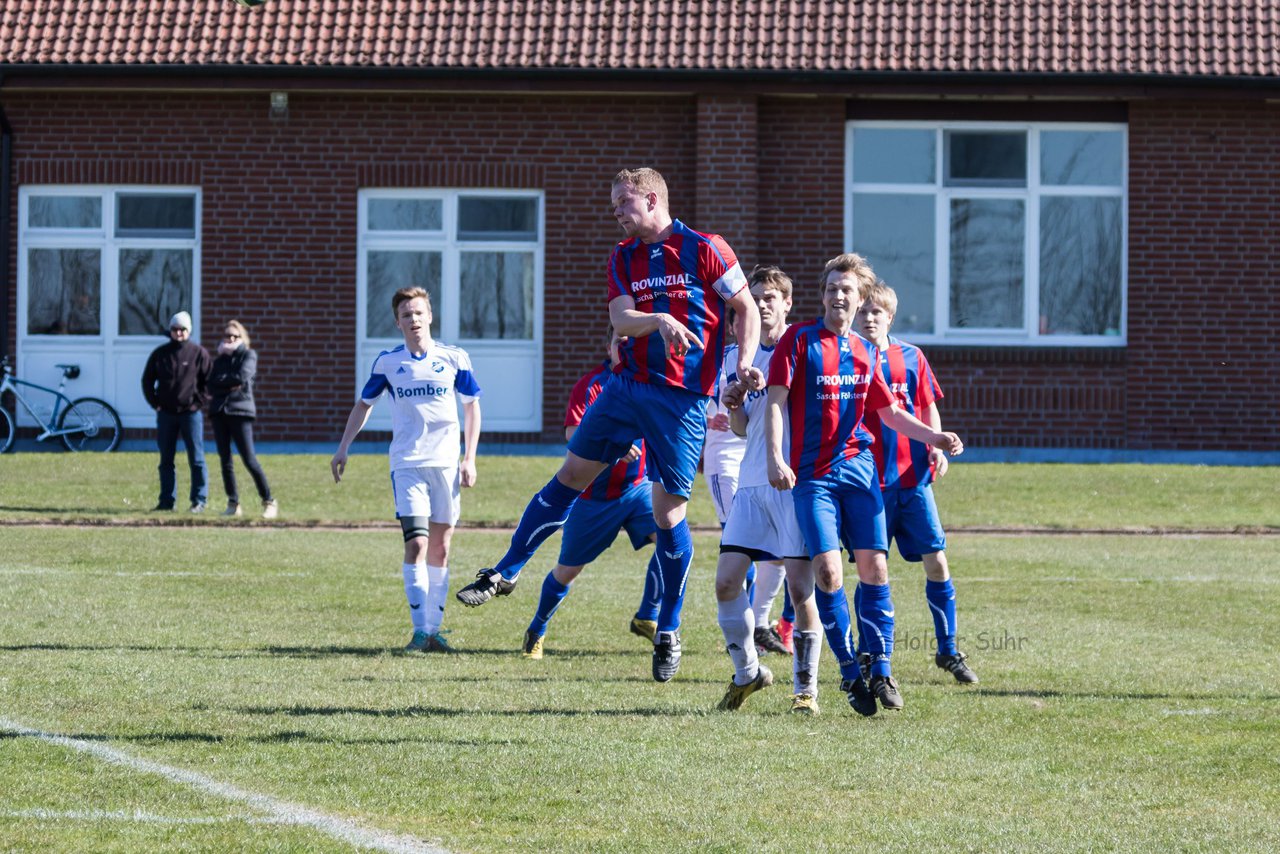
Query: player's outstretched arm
[[355, 423], [471, 438], [780, 474], [914, 428], [746, 328]]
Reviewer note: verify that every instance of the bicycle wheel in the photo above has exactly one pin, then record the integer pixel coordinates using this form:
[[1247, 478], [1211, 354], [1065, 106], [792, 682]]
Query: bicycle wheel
[[7, 430], [94, 424]]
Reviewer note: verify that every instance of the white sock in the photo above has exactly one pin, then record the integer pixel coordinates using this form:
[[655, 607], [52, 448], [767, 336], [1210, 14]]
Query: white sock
[[437, 593], [736, 623], [415, 590], [769, 577], [808, 646]]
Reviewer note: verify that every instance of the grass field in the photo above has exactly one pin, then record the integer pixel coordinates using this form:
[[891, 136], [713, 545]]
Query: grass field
[[1129, 699]]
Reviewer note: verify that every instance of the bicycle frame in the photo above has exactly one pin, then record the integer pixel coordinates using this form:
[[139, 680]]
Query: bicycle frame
[[61, 401]]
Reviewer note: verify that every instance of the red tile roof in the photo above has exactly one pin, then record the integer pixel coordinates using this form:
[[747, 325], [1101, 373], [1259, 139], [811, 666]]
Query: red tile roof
[[1167, 37]]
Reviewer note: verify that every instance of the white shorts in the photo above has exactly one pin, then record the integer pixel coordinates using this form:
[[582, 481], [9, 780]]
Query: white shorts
[[722, 487], [431, 491], [764, 520]]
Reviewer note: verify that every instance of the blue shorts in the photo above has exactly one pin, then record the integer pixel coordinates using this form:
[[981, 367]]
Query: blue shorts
[[911, 518], [842, 508], [672, 421], [592, 526]]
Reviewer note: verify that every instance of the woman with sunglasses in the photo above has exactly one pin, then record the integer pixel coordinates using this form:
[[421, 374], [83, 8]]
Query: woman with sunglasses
[[232, 411]]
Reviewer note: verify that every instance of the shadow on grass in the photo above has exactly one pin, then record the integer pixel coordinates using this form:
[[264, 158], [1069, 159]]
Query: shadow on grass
[[291, 737], [1050, 694], [445, 712]]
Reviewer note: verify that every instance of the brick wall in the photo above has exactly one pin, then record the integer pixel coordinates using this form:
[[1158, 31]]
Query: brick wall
[[767, 172]]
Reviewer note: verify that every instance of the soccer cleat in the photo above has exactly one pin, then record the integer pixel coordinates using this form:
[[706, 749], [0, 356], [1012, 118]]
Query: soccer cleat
[[162, 508], [767, 640], [437, 643], [644, 628], [666, 655], [270, 510], [860, 696], [956, 666], [532, 647], [886, 689], [804, 704], [197, 507], [786, 632], [487, 585], [418, 643], [737, 694], [233, 509], [864, 664]]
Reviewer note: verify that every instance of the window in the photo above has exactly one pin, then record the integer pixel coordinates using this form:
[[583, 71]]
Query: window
[[100, 272], [479, 254], [994, 233]]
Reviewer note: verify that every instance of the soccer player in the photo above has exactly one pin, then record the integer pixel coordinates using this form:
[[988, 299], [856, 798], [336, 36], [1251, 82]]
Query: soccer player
[[670, 289], [907, 471], [762, 527], [424, 381], [824, 374], [618, 499]]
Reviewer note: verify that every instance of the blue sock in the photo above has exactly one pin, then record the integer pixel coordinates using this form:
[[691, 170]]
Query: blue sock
[[857, 609], [833, 610], [788, 610], [875, 624], [751, 583], [941, 596], [675, 556], [651, 599], [544, 515], [553, 593]]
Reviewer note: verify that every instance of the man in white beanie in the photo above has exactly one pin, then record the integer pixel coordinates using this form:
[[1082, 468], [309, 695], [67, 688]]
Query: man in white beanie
[[174, 383]]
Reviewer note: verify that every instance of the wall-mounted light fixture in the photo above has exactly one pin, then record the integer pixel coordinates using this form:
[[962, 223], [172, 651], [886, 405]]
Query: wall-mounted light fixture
[[279, 105]]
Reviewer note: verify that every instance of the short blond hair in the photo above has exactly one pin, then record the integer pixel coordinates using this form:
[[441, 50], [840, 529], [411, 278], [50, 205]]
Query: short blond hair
[[882, 295], [646, 181], [850, 262], [240, 330], [769, 276]]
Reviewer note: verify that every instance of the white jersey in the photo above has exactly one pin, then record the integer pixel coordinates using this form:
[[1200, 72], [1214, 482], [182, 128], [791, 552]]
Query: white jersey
[[755, 470], [424, 392], [723, 450]]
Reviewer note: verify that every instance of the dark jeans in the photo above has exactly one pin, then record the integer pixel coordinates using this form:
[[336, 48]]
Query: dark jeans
[[233, 428], [189, 425]]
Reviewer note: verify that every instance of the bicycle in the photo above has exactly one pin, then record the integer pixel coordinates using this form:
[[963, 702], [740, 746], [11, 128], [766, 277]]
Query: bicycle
[[83, 424]]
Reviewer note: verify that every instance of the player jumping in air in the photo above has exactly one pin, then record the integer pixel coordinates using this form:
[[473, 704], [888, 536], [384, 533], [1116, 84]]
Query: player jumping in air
[[617, 500], [822, 379], [907, 471], [424, 380], [670, 290]]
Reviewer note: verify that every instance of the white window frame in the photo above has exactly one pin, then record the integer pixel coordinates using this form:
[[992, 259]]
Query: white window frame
[[1031, 194], [520, 359], [107, 359]]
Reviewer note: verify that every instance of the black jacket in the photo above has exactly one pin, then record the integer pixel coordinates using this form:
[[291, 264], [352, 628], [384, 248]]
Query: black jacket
[[232, 383], [176, 376]]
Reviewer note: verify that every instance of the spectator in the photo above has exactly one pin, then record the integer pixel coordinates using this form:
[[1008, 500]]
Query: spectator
[[175, 384], [232, 411]]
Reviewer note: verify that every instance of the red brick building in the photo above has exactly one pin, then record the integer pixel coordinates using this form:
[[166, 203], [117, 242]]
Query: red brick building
[[1078, 203]]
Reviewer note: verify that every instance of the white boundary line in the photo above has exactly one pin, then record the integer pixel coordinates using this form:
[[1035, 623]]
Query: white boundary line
[[283, 811]]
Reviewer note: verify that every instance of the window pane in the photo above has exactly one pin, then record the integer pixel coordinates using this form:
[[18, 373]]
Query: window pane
[[1080, 291], [1095, 158], [987, 269], [155, 215], [64, 292], [65, 212], [388, 273], [896, 234], [885, 156], [155, 284], [406, 215], [490, 218], [496, 295], [986, 159]]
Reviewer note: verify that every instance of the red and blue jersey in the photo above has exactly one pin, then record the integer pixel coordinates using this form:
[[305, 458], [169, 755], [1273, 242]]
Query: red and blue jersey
[[833, 382], [689, 276], [903, 463], [622, 475]]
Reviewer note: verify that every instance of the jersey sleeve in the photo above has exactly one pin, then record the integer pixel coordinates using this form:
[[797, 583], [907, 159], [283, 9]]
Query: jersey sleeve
[[578, 402], [464, 381], [927, 389], [782, 365], [724, 272], [375, 385], [878, 394]]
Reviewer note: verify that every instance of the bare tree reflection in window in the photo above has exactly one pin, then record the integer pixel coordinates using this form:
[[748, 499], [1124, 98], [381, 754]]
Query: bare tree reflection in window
[[987, 263], [496, 295], [390, 271], [1080, 266], [154, 284], [64, 292]]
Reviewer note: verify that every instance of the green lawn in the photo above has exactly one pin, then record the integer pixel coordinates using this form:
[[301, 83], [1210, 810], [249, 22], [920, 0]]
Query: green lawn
[[122, 487]]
